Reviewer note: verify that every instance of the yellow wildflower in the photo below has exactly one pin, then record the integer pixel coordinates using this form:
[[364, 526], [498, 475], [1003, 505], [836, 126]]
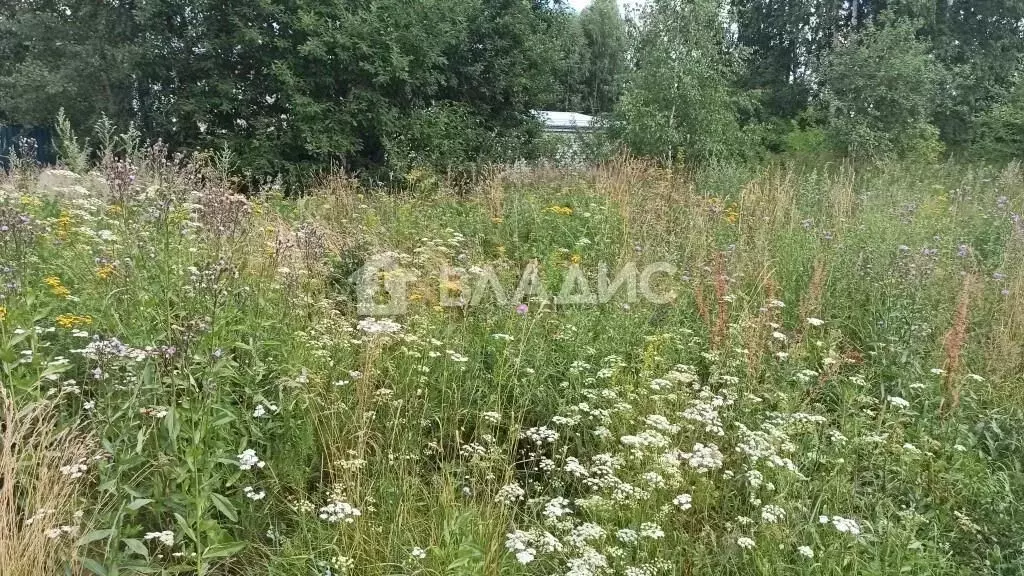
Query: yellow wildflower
[[732, 213], [560, 210], [105, 271], [57, 288], [576, 258], [497, 220], [452, 286], [63, 226], [3, 313], [69, 321]]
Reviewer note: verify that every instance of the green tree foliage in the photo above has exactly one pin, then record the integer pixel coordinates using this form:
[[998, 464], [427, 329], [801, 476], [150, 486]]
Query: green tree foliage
[[1000, 130], [879, 90], [679, 100], [287, 85], [778, 35], [566, 58], [605, 34], [982, 44], [75, 55], [383, 86]]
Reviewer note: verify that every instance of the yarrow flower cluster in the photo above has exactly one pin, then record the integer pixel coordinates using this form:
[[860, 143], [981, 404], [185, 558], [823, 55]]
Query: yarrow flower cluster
[[74, 471], [264, 408], [704, 458], [166, 537], [526, 545], [557, 508], [844, 525], [509, 494], [248, 460], [772, 514], [339, 511], [373, 326], [898, 402], [252, 494], [540, 435]]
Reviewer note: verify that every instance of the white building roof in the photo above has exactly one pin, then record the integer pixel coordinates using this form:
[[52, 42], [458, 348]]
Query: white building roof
[[565, 121]]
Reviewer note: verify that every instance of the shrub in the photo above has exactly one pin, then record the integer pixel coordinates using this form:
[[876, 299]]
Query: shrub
[[879, 89]]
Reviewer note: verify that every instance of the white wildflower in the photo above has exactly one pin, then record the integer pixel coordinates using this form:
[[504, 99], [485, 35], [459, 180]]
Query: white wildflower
[[248, 460], [166, 537], [898, 402], [252, 494], [509, 494], [339, 511]]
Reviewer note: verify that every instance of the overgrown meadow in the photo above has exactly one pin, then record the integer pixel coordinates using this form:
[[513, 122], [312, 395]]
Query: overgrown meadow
[[831, 386]]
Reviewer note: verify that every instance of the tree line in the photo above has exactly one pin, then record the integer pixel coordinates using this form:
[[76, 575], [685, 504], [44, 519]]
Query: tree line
[[384, 86]]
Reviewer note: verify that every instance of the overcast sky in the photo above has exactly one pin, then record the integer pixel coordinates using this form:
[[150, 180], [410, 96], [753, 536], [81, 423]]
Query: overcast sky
[[581, 4]]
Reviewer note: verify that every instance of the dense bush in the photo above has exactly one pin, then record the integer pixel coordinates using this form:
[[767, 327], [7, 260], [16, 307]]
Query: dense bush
[[678, 103], [1000, 132], [880, 88]]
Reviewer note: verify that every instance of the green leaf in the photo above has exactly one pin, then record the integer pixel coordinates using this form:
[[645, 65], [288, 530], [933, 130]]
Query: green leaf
[[139, 503], [140, 440], [94, 536], [148, 376], [140, 569], [93, 566], [172, 425], [225, 506], [136, 546], [183, 524], [224, 421], [224, 550]]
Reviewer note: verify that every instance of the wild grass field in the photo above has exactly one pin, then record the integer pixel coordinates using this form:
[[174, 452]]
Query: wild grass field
[[829, 383]]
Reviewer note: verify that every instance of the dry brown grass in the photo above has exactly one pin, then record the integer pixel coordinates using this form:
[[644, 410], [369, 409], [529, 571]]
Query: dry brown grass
[[767, 204], [720, 329], [810, 305], [842, 197], [1004, 349], [37, 498], [758, 326], [953, 345]]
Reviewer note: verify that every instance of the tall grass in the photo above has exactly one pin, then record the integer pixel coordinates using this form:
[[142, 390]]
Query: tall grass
[[830, 385], [42, 468]]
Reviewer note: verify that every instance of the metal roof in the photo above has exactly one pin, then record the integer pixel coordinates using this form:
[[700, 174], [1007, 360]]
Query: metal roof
[[565, 121]]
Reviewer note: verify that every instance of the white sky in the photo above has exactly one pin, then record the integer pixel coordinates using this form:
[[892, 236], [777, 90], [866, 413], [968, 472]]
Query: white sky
[[581, 4]]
